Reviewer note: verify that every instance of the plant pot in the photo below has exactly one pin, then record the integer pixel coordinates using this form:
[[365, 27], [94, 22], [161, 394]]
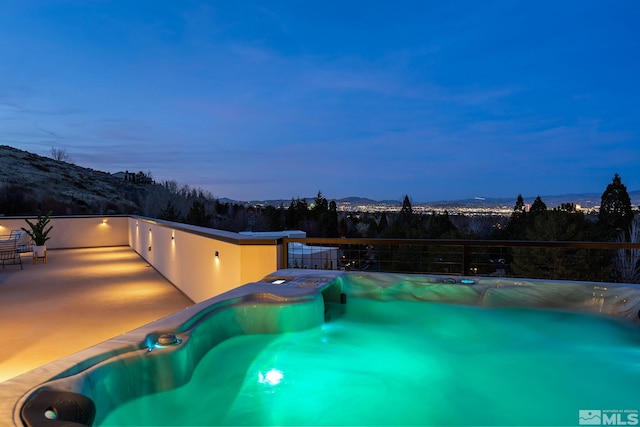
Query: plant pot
[[40, 251]]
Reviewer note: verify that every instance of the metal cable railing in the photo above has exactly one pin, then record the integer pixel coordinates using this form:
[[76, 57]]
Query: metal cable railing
[[594, 261]]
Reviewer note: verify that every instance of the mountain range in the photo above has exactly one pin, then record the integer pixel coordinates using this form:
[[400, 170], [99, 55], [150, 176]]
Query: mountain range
[[586, 200]]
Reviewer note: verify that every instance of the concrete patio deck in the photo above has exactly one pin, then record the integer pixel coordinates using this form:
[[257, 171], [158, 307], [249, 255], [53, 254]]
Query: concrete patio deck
[[80, 298]]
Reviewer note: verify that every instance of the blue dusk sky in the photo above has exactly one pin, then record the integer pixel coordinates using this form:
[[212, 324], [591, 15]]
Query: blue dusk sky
[[250, 100]]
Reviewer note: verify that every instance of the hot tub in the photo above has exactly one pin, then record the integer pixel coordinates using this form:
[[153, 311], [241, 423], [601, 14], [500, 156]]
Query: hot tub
[[306, 347]]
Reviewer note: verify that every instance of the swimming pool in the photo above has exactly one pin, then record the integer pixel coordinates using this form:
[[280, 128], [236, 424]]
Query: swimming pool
[[361, 349]]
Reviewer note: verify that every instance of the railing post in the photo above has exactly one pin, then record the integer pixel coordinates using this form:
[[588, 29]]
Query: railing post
[[285, 252], [465, 259]]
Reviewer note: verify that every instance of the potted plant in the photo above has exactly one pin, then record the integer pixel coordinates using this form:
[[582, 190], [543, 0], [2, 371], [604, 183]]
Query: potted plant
[[39, 233]]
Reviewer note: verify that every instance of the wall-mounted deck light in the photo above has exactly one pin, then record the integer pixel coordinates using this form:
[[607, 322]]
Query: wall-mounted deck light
[[217, 254]]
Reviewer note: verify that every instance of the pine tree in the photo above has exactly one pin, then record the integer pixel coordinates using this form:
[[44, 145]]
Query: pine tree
[[332, 221], [516, 229], [320, 204], [274, 217], [615, 213], [406, 206], [519, 207], [441, 227], [198, 215], [384, 222], [538, 206], [170, 213], [406, 213]]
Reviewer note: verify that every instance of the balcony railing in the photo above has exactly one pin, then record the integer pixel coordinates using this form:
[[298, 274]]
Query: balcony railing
[[593, 261]]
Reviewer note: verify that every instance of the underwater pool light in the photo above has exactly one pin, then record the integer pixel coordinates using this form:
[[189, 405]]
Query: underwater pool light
[[273, 377]]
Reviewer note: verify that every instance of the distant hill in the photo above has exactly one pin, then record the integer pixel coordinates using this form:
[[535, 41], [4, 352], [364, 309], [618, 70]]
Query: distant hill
[[363, 201], [352, 201], [586, 200], [29, 181]]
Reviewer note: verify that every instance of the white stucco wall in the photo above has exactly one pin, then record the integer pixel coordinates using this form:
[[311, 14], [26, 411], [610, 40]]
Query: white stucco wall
[[77, 231], [186, 256], [188, 260]]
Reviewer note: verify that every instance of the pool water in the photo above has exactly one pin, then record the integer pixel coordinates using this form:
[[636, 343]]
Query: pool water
[[409, 363]]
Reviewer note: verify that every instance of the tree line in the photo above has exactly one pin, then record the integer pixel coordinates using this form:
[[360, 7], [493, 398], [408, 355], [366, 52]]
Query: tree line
[[616, 220], [320, 217]]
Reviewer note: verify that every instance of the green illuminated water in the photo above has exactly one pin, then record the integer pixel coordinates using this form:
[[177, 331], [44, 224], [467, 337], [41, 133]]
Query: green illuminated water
[[409, 363]]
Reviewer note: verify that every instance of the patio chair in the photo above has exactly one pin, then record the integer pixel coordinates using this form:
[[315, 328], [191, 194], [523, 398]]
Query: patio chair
[[24, 242], [9, 252]]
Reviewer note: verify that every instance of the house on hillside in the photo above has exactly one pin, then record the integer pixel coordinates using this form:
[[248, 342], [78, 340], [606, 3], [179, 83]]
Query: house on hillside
[[136, 178], [125, 176]]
